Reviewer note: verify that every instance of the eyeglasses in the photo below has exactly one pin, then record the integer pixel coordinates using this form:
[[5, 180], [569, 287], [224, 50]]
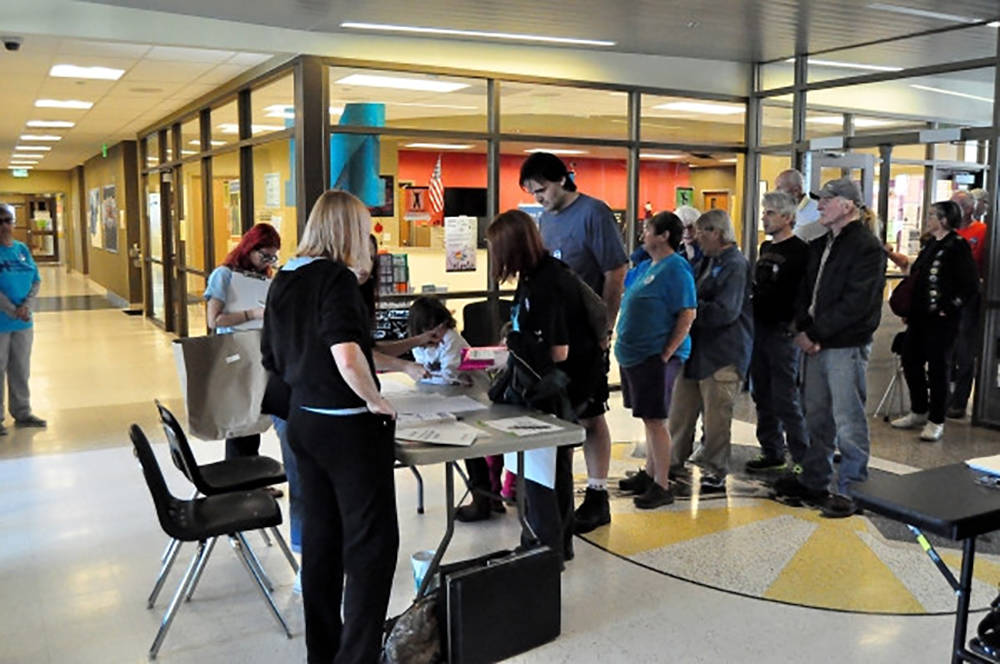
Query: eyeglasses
[[266, 257]]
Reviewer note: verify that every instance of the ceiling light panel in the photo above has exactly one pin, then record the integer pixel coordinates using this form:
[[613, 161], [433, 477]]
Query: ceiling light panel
[[63, 103], [556, 151], [40, 137], [654, 155], [836, 64], [74, 71], [438, 146], [480, 34], [953, 93], [32, 148], [50, 124], [401, 83]]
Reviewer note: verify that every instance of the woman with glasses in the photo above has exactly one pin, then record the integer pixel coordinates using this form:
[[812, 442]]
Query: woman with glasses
[[235, 296]]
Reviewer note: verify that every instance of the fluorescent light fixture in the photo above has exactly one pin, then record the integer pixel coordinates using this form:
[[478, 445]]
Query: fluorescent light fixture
[[556, 151], [189, 152], [51, 124], [19, 162], [858, 122], [40, 137], [655, 155], [32, 148], [402, 83], [836, 64], [212, 143], [922, 13], [728, 161], [451, 32], [63, 103], [993, 24], [438, 146], [232, 128], [73, 71], [20, 168], [964, 95], [706, 107], [458, 107]]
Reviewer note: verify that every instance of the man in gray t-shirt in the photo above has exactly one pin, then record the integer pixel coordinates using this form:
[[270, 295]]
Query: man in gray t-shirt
[[581, 231]]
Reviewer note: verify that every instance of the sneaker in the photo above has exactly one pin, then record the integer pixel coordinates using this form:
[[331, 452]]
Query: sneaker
[[790, 487], [763, 463], [654, 496], [636, 483], [31, 421], [956, 413], [909, 421], [838, 507], [932, 432], [710, 485], [592, 513]]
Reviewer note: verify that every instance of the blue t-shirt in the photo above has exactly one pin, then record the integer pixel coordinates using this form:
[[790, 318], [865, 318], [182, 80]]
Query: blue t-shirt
[[655, 295], [584, 235], [217, 287], [18, 273]]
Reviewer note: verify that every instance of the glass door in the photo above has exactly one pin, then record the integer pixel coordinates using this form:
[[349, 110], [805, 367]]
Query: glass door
[[42, 229]]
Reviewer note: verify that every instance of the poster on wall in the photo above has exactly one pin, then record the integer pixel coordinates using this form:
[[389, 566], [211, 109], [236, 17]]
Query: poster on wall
[[109, 218], [94, 217], [272, 190], [684, 195], [387, 208], [460, 244], [417, 208]]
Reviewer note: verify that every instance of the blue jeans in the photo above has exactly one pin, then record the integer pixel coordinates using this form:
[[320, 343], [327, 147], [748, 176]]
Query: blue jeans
[[295, 509], [774, 372], [835, 394]]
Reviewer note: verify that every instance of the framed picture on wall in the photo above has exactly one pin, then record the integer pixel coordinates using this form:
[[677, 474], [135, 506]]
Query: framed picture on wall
[[684, 195], [388, 206]]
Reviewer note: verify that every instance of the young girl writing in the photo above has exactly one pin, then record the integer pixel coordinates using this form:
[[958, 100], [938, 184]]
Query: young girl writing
[[440, 359]]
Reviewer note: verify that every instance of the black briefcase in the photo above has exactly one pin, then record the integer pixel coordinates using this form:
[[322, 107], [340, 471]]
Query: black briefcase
[[500, 605]]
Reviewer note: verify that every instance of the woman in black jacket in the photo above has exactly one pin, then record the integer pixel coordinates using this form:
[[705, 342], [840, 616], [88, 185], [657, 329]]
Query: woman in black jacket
[[550, 332], [945, 279], [317, 338]]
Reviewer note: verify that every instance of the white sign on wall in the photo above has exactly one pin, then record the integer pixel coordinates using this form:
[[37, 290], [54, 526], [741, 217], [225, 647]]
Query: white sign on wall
[[460, 244]]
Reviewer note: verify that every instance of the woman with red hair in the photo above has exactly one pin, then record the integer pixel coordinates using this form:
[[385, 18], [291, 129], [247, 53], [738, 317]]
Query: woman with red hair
[[235, 295]]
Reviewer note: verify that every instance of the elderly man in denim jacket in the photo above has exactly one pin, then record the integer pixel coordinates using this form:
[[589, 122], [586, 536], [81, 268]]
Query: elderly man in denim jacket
[[721, 340]]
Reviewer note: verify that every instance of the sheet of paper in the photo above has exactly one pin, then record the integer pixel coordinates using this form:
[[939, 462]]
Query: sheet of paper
[[523, 425], [454, 433], [416, 402], [405, 420], [539, 465], [987, 464], [461, 404]]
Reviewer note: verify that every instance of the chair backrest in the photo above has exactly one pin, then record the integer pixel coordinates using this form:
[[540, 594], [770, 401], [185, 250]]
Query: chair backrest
[[480, 327], [180, 449], [162, 498]]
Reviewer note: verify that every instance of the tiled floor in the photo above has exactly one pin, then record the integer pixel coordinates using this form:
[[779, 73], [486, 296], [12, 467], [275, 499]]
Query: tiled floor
[[79, 544]]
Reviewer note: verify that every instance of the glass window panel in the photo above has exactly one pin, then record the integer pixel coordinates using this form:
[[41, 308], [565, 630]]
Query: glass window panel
[[673, 119], [777, 74], [225, 125], [274, 192], [196, 304], [226, 214], [374, 98], [152, 150], [156, 282], [718, 184], [944, 47], [153, 216], [529, 108], [273, 106], [776, 120], [906, 201], [169, 144], [190, 137], [192, 219]]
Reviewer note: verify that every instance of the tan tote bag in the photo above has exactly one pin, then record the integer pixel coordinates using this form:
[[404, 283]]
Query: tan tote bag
[[223, 381]]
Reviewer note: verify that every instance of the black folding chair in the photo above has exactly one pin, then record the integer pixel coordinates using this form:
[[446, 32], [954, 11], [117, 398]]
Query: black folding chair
[[202, 520]]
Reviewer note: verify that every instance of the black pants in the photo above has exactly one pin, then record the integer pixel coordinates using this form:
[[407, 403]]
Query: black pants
[[550, 511], [350, 530], [243, 446], [928, 343], [964, 354]]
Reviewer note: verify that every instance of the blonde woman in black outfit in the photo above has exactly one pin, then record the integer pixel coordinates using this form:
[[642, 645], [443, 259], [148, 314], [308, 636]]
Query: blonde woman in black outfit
[[317, 337], [946, 279]]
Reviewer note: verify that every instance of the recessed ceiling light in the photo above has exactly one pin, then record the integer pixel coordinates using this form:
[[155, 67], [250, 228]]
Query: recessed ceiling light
[[21, 162], [438, 146], [63, 103], [40, 137], [24, 159], [32, 148], [51, 124], [655, 155], [383, 27], [73, 71], [402, 83], [706, 107], [836, 64], [233, 128], [556, 151], [964, 95]]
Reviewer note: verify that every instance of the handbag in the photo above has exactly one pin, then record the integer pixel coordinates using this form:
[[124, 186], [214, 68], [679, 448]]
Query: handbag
[[223, 383], [414, 636], [901, 299]]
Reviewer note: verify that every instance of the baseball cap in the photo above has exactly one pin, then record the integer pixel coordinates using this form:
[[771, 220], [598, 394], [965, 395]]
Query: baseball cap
[[842, 187]]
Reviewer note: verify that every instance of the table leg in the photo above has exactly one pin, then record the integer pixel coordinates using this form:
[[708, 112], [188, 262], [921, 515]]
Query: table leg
[[964, 592], [449, 503], [527, 533]]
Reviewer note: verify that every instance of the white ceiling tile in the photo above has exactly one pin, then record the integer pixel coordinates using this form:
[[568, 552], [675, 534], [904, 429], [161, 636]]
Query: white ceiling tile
[[102, 49], [222, 74], [167, 71], [176, 54]]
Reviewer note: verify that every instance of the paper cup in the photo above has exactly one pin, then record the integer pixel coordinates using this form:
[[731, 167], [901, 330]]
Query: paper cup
[[421, 562]]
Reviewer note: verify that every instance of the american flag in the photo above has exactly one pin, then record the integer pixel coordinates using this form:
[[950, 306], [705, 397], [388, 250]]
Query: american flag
[[435, 190]]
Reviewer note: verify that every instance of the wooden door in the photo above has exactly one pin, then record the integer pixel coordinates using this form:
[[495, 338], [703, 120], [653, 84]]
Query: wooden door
[[716, 200]]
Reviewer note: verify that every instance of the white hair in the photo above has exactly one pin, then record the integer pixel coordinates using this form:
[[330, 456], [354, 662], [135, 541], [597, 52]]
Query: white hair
[[688, 215]]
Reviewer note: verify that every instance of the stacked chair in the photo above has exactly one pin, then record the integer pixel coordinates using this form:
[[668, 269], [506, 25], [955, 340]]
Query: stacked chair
[[230, 498]]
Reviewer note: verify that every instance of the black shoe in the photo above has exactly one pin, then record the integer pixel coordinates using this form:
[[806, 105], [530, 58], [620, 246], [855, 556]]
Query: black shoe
[[789, 487], [955, 413], [637, 483], [763, 463], [654, 496], [710, 485], [592, 513], [31, 421], [476, 511], [497, 506], [679, 474], [838, 507]]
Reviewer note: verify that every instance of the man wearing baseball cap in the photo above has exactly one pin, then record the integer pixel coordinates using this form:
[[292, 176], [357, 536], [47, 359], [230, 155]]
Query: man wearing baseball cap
[[837, 311]]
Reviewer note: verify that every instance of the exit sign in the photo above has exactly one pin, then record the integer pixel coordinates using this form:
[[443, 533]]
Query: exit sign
[[19, 172]]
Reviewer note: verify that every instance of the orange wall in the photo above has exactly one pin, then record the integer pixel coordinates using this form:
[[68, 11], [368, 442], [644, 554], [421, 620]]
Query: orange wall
[[601, 178]]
